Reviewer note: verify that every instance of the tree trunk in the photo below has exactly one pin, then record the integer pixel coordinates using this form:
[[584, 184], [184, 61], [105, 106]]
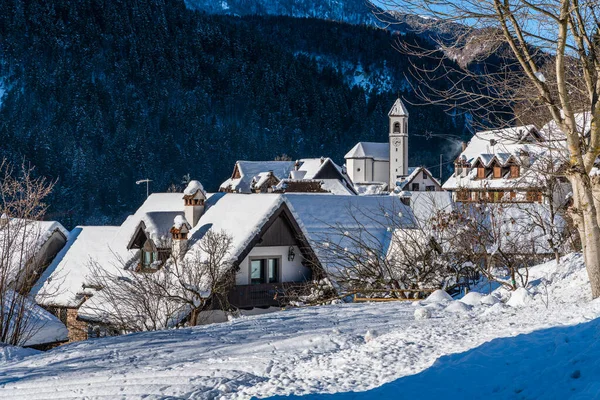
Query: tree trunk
[[586, 220]]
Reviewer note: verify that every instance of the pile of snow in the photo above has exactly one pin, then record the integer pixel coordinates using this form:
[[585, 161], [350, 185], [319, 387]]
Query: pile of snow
[[472, 299], [439, 296], [490, 300], [519, 298], [13, 353]]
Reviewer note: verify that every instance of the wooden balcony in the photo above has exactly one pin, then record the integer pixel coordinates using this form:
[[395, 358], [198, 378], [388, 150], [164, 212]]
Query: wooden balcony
[[260, 295]]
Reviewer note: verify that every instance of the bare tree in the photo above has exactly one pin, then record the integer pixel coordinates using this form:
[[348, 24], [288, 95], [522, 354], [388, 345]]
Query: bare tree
[[558, 36], [386, 253], [497, 240], [21, 205], [180, 290]]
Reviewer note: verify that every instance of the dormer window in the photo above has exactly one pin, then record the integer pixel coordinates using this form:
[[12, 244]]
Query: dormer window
[[515, 171], [149, 259], [497, 172], [480, 172]]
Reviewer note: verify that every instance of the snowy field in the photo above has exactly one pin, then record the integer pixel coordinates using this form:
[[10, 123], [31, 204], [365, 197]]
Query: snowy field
[[338, 350]]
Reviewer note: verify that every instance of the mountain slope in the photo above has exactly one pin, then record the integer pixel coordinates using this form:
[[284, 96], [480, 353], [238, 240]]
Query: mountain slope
[[101, 94]]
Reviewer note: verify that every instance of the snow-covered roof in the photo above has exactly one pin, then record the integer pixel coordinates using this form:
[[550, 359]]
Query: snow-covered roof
[[250, 172], [23, 239], [254, 174], [488, 144], [322, 217], [413, 172], [426, 205], [503, 146], [398, 109], [376, 151], [551, 131], [41, 327], [63, 283]]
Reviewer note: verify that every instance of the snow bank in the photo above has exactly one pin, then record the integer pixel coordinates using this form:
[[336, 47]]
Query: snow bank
[[437, 297], [472, 298], [13, 353], [519, 298], [458, 307]]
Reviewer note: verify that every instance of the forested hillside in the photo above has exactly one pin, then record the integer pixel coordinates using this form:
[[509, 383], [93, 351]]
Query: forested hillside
[[102, 93]]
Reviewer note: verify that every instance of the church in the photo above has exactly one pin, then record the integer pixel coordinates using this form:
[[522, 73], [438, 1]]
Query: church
[[379, 167]]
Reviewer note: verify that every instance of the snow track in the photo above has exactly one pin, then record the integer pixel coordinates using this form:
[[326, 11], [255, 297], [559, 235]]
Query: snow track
[[311, 350]]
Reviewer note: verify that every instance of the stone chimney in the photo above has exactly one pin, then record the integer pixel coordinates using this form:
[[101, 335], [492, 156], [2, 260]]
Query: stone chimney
[[179, 233], [463, 146], [4, 220], [194, 197]]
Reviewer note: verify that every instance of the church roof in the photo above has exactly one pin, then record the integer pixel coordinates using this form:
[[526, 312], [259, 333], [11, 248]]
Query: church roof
[[398, 109], [376, 151]]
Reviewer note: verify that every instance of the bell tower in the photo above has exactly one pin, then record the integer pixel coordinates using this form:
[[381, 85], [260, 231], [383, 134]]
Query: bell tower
[[398, 117]]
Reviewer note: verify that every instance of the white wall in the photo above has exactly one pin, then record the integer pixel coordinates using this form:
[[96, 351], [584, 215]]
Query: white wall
[[291, 271], [381, 171]]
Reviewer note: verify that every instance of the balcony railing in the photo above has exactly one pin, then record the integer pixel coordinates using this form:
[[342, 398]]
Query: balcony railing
[[260, 295]]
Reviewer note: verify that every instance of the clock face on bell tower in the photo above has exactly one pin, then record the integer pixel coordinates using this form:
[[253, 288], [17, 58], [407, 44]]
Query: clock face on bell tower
[[396, 142]]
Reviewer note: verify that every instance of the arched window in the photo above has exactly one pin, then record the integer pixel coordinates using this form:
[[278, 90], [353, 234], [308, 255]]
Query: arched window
[[397, 127]]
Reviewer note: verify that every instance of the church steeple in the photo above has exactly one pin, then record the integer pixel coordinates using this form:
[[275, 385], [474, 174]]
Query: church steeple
[[398, 138]]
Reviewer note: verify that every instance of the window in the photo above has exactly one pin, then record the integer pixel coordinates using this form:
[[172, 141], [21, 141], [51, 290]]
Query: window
[[480, 172], [397, 127], [415, 187], [148, 259], [497, 172], [264, 270], [514, 171], [358, 169], [425, 175], [430, 188]]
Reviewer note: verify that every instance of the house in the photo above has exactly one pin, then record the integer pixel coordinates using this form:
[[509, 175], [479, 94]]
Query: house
[[506, 165], [314, 175], [379, 167], [30, 246], [68, 282], [419, 179]]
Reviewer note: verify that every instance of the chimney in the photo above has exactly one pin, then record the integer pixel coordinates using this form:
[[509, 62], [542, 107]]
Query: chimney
[[179, 233], [524, 159], [4, 220], [463, 146], [194, 197], [322, 160], [297, 165]]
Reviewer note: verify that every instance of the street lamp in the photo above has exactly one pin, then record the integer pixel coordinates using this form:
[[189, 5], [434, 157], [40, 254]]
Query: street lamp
[[147, 182]]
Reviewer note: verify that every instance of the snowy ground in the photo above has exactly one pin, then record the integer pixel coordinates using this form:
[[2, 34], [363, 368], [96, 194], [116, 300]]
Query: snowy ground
[[341, 349]]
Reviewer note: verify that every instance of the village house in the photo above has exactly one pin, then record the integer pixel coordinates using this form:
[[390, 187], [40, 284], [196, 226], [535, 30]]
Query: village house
[[27, 248], [379, 167], [508, 165], [308, 175]]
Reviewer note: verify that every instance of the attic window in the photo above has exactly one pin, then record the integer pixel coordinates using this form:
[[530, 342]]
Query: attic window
[[264, 270], [514, 171], [497, 172], [480, 172], [149, 258]]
